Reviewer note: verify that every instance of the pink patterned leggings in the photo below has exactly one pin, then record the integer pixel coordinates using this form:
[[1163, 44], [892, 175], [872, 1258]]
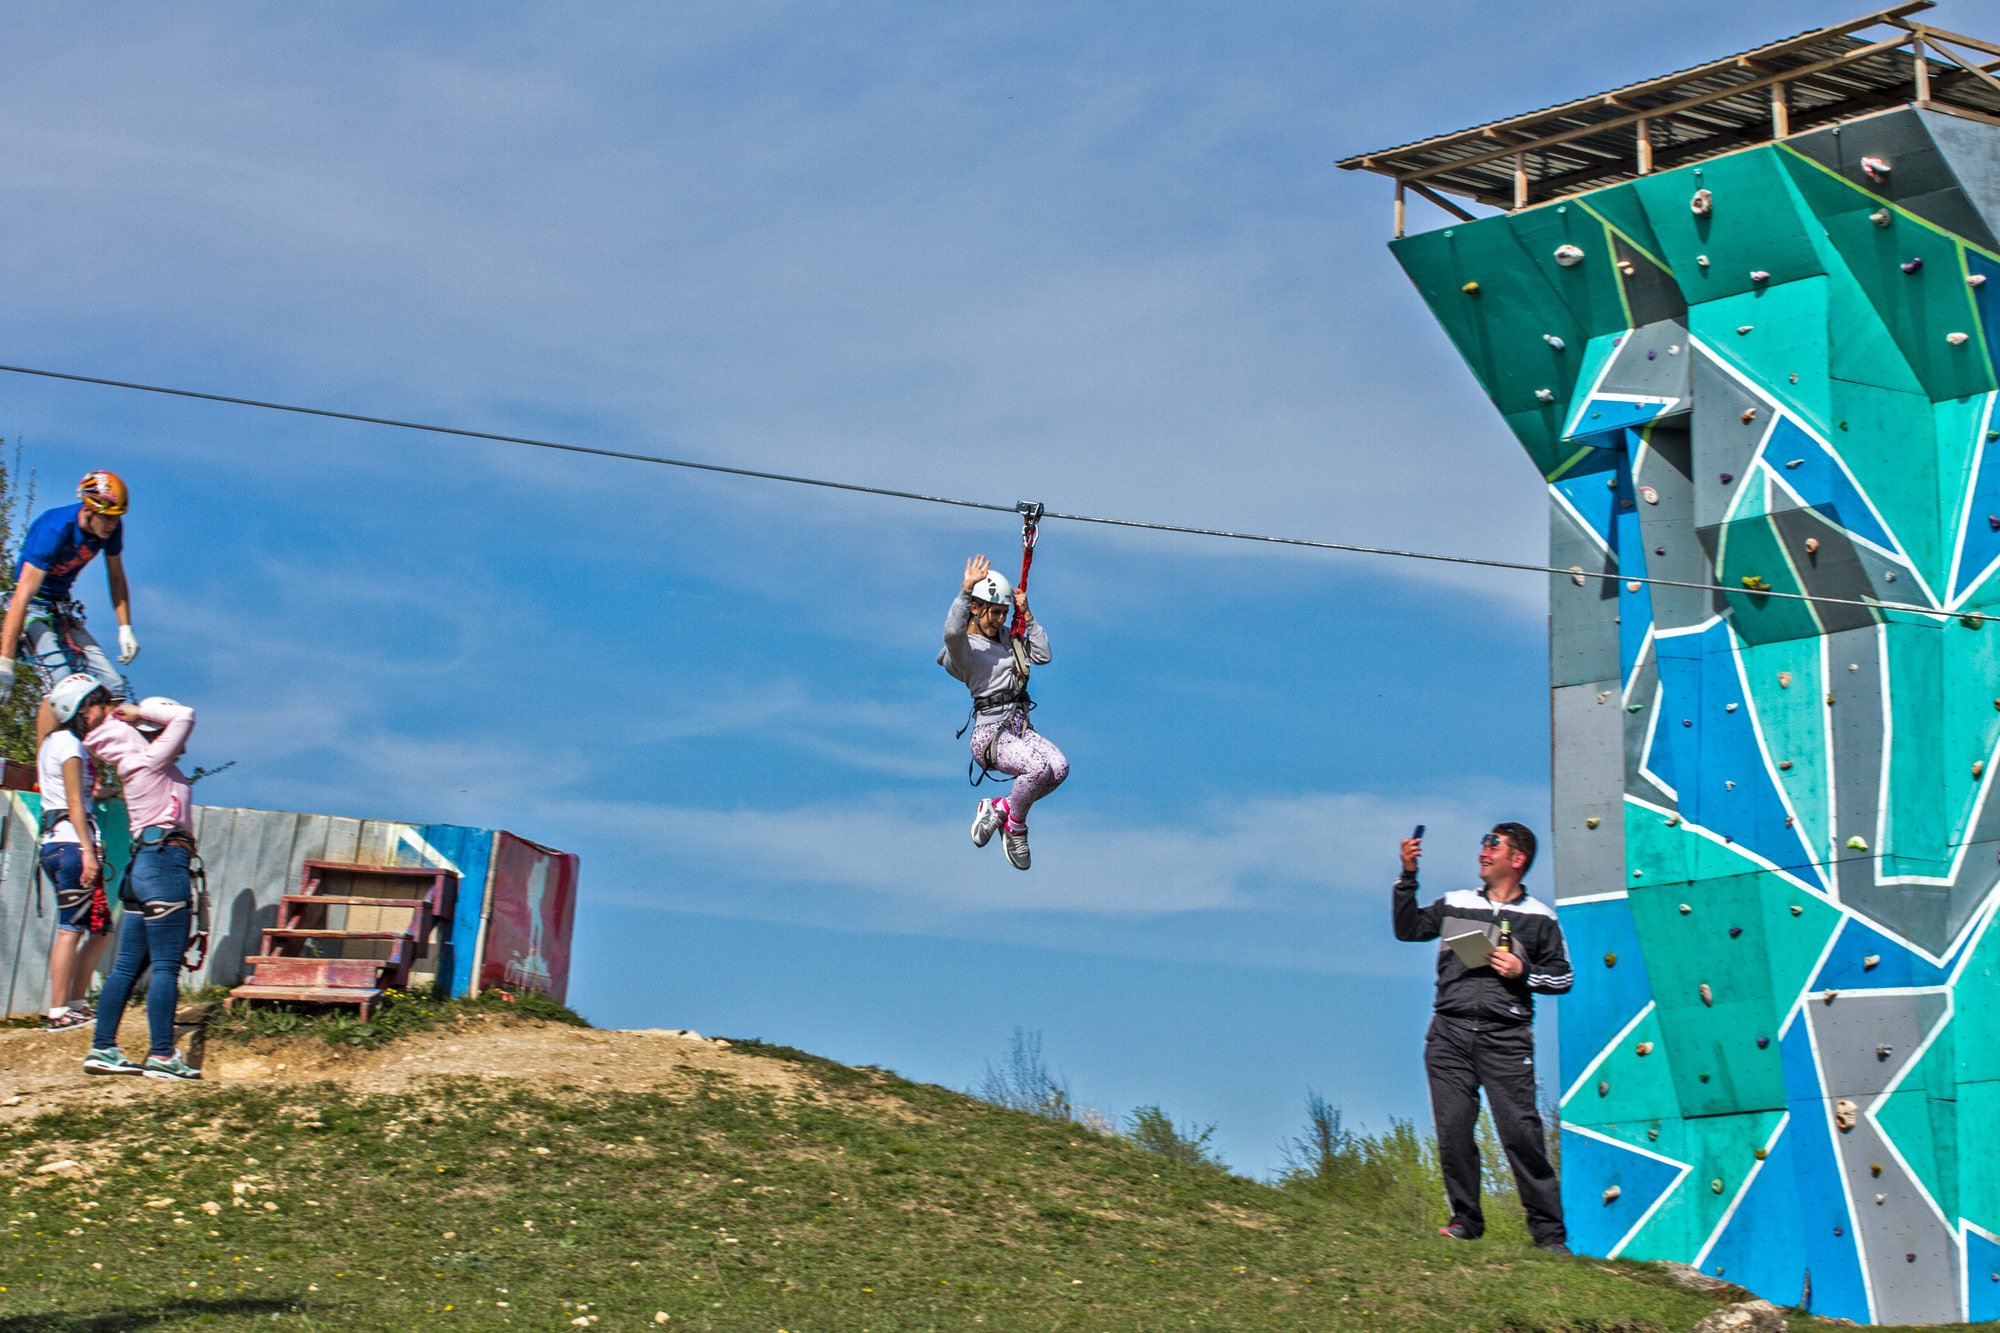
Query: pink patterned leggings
[[1037, 766]]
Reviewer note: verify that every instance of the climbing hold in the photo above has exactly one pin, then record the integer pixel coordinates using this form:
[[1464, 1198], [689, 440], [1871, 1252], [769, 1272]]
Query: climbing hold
[[1729, 708], [1624, 504], [1569, 256], [1784, 765], [1794, 463], [1652, 1134], [1553, 341], [1611, 960], [1729, 784], [1633, 708], [1649, 495], [1603, 1088], [1993, 522], [1884, 1051], [1745, 328], [1756, 583], [1632, 585], [1858, 843], [1909, 1258], [1576, 575], [1829, 701], [1880, 217], [1673, 820], [1830, 996], [1913, 265], [1603, 695], [1875, 168], [1788, 821], [1854, 666], [1674, 349], [1703, 1076], [1890, 576], [1652, 354], [1591, 822], [1716, 1184], [1685, 909], [1978, 767], [1611, 483], [1784, 680], [1749, 414], [1838, 1231], [1728, 477], [1734, 931], [1845, 1113], [1703, 203], [1707, 995], [1759, 1153], [1687, 721], [1659, 550], [1470, 289], [1795, 377], [1759, 275], [1812, 545], [1971, 621], [1545, 395], [1881, 1199], [1798, 910], [1611, 1193], [1956, 339], [1976, 280], [1701, 260], [1644, 1048], [1763, 1042], [1871, 962]]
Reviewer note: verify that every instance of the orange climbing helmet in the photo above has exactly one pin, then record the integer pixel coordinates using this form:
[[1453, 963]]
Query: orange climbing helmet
[[103, 493]]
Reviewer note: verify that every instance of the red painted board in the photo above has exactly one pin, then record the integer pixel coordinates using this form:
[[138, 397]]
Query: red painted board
[[534, 906]]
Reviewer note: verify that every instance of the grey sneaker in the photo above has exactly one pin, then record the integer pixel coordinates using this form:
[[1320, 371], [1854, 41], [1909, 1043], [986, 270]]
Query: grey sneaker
[[109, 1060], [172, 1067], [1016, 842], [985, 823]]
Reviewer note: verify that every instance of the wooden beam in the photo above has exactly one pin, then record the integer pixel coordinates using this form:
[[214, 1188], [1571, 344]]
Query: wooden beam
[[1937, 35], [1781, 110], [1520, 180], [1383, 159], [1923, 68], [1438, 199], [1399, 209], [1620, 122], [1971, 68], [1645, 147]]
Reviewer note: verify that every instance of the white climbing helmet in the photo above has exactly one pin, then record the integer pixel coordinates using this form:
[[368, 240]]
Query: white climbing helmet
[[69, 694], [149, 703], [993, 589]]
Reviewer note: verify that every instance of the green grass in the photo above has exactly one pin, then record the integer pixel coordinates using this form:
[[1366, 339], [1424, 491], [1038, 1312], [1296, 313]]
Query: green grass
[[865, 1203], [401, 1014]]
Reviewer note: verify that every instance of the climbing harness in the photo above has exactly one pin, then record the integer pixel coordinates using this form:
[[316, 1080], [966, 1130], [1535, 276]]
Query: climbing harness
[[63, 619], [159, 835]]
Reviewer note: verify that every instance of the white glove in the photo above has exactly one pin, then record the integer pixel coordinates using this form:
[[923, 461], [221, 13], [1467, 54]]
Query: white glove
[[128, 644], [6, 676]]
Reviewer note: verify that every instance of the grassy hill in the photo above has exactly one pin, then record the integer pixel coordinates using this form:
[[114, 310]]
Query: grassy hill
[[507, 1173]]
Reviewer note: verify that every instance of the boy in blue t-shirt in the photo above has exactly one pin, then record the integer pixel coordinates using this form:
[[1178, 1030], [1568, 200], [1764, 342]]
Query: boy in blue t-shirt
[[59, 544]]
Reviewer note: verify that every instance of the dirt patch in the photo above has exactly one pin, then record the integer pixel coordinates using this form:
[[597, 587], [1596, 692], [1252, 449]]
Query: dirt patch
[[44, 1070]]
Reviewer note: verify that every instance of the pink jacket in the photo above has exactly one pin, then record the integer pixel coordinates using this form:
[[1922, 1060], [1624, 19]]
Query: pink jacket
[[156, 791]]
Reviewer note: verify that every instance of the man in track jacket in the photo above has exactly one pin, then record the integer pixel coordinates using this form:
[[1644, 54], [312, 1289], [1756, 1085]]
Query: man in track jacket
[[1482, 1034]]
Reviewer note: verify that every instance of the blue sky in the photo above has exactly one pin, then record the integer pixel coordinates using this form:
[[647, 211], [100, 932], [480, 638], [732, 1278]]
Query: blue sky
[[1094, 256]]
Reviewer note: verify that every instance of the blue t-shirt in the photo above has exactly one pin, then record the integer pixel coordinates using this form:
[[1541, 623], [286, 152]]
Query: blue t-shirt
[[58, 545]]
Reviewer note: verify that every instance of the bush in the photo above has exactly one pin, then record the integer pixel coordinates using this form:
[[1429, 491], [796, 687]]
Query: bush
[[1154, 1130]]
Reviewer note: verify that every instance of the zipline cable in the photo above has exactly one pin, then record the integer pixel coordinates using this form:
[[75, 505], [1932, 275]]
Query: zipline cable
[[1350, 547]]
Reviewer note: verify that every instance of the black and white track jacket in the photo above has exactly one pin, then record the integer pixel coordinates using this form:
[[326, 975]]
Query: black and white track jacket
[[1480, 993]]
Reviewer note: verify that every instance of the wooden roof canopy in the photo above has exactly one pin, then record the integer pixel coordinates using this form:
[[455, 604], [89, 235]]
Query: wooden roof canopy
[[1850, 69]]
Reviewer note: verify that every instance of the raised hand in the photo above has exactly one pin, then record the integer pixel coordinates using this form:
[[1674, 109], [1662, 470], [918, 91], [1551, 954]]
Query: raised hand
[[975, 570]]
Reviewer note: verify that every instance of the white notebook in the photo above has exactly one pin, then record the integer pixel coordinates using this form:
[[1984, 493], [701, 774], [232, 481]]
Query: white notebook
[[1472, 947]]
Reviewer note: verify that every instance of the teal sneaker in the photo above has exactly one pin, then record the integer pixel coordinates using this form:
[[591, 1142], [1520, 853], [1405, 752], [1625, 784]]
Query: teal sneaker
[[171, 1066], [109, 1060]]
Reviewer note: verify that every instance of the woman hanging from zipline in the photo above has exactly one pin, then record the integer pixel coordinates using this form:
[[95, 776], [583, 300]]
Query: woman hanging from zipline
[[993, 664]]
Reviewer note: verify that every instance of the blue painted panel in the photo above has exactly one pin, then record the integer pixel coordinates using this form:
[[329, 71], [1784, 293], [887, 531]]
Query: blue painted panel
[[1590, 1166], [1635, 608], [470, 849], [1617, 994], [1701, 683], [1845, 967], [1822, 483], [1602, 414], [1982, 1278], [1822, 1204], [1760, 1248], [1672, 755], [1588, 491]]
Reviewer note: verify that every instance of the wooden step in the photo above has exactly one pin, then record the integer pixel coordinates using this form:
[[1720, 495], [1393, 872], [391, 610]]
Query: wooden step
[[365, 996], [282, 970], [301, 932], [411, 903]]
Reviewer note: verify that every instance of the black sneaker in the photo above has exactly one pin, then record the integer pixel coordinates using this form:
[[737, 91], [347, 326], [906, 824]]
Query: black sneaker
[[1456, 1231], [1556, 1247]]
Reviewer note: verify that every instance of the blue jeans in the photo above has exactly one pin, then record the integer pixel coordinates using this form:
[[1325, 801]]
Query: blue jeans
[[154, 930], [62, 862]]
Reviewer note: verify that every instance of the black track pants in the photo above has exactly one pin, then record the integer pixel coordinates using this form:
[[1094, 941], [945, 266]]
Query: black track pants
[[1461, 1059]]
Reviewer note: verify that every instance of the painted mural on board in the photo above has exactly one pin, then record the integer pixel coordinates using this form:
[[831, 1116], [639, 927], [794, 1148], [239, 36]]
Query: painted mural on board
[[533, 906], [1775, 824]]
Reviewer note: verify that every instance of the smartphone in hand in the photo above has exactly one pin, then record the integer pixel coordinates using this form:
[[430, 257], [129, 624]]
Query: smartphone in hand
[[1419, 833]]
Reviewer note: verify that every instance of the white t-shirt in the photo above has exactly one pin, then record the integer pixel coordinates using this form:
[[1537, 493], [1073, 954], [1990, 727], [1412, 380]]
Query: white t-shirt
[[61, 745]]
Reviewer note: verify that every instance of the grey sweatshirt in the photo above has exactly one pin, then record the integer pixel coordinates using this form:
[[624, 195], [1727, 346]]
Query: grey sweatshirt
[[985, 665]]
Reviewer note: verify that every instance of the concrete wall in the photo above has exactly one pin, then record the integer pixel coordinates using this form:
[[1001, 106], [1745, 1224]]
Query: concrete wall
[[1774, 828]]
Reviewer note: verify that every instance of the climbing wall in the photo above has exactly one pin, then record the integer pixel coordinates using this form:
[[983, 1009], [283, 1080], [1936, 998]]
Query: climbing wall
[[1775, 833]]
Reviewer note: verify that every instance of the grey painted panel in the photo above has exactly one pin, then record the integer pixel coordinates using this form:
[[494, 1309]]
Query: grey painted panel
[[1583, 629], [1653, 295], [1645, 688], [1589, 723], [342, 840], [1723, 441], [1857, 732], [1838, 568], [1645, 366], [1972, 152], [1851, 1030], [1923, 1290]]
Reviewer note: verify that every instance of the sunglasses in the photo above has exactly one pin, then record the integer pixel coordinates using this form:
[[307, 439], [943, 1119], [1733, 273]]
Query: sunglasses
[[1491, 840]]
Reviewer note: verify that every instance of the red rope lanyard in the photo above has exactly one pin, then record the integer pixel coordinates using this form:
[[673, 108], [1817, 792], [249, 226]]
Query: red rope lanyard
[[1031, 517]]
